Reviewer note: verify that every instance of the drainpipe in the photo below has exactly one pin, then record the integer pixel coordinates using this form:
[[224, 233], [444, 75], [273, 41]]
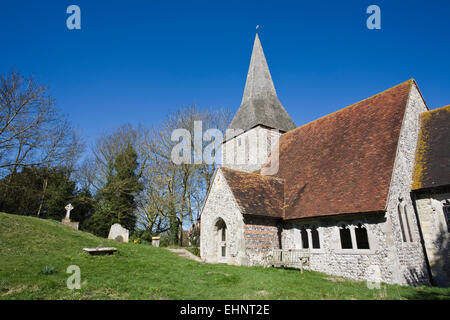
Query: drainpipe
[[422, 241]]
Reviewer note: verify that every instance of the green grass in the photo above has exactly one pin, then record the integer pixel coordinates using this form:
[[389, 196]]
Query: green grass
[[35, 254]]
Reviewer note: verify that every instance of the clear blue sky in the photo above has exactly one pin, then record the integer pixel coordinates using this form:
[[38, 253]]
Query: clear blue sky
[[134, 61]]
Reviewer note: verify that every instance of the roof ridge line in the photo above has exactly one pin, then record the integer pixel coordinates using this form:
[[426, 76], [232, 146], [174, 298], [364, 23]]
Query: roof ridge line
[[337, 111]]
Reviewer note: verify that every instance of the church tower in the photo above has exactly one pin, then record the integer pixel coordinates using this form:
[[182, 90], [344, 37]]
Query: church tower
[[260, 120]]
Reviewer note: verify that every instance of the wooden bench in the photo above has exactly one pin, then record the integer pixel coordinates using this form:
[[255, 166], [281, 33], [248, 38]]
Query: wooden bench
[[291, 258]]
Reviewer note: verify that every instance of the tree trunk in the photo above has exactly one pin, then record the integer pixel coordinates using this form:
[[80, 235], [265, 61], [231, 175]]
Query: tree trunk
[[43, 196]]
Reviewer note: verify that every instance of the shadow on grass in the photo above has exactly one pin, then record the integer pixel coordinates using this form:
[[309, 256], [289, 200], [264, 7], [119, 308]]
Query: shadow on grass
[[427, 295]]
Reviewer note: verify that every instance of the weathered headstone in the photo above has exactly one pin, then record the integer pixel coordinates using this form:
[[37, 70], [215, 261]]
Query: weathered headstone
[[66, 221], [155, 241], [118, 233]]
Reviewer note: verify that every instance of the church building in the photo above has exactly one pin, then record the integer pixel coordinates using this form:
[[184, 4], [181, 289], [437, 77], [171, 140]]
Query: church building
[[364, 188]]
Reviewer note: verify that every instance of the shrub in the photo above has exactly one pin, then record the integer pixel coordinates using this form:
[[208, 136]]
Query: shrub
[[48, 270]]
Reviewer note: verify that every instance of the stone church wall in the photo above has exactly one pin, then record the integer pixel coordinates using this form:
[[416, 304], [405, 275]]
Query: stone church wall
[[261, 236], [435, 233], [221, 204], [406, 258], [398, 260], [242, 153], [358, 264]]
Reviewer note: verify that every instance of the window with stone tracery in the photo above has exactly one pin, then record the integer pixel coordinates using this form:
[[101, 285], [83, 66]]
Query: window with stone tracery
[[304, 235], [346, 237], [362, 239], [315, 237]]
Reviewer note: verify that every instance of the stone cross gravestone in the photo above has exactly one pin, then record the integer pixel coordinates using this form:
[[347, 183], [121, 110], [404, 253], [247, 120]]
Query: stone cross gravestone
[[118, 233], [66, 219], [68, 208]]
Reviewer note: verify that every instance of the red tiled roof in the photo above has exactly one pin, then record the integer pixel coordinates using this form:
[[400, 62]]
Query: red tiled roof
[[339, 164], [432, 168], [255, 193], [342, 163]]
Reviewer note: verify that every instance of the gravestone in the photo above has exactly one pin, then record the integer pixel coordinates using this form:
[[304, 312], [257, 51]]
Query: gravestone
[[155, 241], [100, 250], [118, 233], [66, 221]]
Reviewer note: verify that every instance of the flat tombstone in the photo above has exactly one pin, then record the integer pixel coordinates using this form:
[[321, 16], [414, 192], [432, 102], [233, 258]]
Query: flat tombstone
[[118, 233], [155, 241]]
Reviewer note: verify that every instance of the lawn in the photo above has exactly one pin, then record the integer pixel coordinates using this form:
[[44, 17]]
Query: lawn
[[35, 254]]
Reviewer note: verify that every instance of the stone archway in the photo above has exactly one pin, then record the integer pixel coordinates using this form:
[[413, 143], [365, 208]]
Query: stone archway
[[221, 240]]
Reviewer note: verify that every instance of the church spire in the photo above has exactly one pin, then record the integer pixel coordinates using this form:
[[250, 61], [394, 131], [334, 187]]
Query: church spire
[[260, 104], [259, 81]]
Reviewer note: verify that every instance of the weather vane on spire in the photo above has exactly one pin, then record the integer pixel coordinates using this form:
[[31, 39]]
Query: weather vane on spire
[[257, 28]]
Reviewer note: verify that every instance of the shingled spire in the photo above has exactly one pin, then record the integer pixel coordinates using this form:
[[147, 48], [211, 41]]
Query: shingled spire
[[260, 104]]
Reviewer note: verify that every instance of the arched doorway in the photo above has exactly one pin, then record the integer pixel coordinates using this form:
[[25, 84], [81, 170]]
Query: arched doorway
[[221, 236]]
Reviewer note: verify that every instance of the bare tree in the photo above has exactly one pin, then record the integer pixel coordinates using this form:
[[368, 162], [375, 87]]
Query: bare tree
[[95, 169], [32, 131], [176, 192]]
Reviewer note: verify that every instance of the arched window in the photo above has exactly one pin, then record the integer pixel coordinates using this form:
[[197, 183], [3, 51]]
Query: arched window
[[346, 237], [304, 235], [315, 238], [221, 237], [224, 234], [407, 223], [446, 210], [362, 240], [403, 218], [400, 219]]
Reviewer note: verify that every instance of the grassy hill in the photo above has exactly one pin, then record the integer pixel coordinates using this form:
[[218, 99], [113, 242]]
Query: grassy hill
[[35, 253]]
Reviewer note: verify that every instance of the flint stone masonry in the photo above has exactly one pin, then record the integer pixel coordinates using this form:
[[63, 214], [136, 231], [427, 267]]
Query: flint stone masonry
[[330, 258], [220, 204], [407, 259], [261, 236], [435, 233], [249, 150], [118, 233]]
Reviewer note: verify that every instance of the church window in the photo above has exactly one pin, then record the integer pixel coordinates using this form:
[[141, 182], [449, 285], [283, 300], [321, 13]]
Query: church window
[[315, 237], [304, 235], [403, 217], [446, 209], [362, 240], [346, 238], [407, 224], [224, 235], [221, 238], [400, 219]]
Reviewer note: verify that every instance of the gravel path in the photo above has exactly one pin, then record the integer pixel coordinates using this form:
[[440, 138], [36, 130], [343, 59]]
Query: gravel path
[[185, 254]]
